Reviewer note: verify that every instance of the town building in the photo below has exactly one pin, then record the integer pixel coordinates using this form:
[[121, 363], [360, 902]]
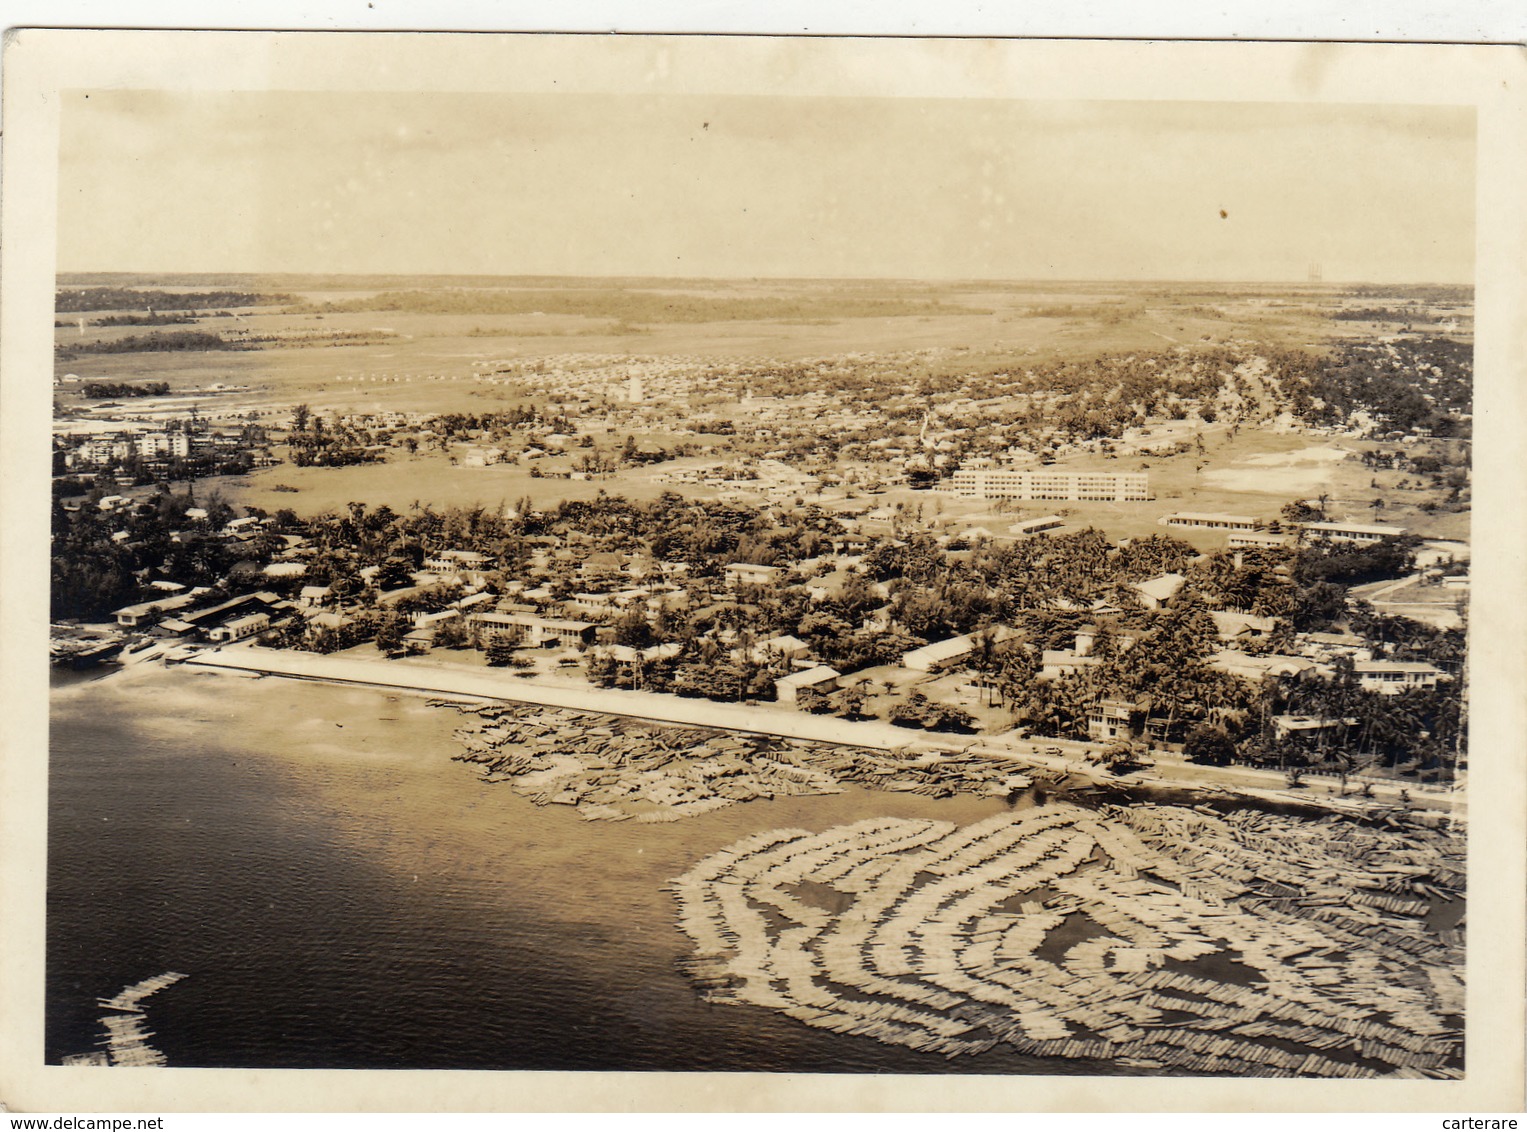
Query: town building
[[1037, 526], [789, 647], [1352, 532], [533, 629], [1286, 727], [1259, 538], [1258, 669], [1076, 487], [940, 656], [747, 574], [1157, 592], [238, 628], [147, 613], [820, 679], [453, 561], [1390, 677], [1209, 521], [1115, 719], [1242, 626], [310, 597]]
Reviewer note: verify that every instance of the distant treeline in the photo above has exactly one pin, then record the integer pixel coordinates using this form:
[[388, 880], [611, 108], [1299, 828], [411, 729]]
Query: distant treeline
[[636, 306], [187, 341], [124, 389], [1420, 293], [143, 320], [131, 299], [184, 340], [1381, 314]]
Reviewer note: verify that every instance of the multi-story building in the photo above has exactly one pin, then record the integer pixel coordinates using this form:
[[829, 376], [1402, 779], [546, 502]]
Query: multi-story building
[[158, 444], [1115, 719], [1040, 483]]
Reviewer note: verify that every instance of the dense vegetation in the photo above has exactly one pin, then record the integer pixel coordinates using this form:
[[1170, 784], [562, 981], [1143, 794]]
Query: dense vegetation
[[118, 389], [82, 299], [144, 320], [158, 342], [635, 306]]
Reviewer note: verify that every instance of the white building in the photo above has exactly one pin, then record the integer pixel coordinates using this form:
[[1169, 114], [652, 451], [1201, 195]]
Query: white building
[[1390, 677], [1352, 532], [1037, 526], [1039, 483], [747, 574], [239, 628], [1208, 521]]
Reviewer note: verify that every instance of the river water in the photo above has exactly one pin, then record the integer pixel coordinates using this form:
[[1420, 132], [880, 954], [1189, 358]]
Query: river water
[[342, 894]]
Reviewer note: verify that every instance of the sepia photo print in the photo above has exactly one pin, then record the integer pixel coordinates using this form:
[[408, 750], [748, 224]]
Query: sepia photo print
[[787, 558]]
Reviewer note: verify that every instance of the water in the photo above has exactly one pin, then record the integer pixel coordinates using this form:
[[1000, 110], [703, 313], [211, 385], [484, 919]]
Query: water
[[343, 895]]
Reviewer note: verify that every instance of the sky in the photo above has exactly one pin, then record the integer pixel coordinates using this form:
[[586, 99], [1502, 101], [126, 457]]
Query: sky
[[746, 186]]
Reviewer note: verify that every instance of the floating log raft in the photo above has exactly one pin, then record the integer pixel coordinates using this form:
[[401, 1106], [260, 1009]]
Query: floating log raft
[[126, 1030], [1157, 936]]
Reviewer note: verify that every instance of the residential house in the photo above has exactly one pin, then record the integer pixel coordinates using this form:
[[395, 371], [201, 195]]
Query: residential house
[[747, 574], [1286, 727], [1156, 592], [1258, 668]]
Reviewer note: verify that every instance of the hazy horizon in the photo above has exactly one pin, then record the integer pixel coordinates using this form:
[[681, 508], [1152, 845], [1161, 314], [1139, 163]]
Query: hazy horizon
[[779, 187], [66, 278]]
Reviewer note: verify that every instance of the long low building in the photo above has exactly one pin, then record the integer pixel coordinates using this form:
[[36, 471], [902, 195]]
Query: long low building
[[1037, 526], [1208, 521], [954, 651], [1259, 538], [1352, 532], [1244, 530], [1074, 487], [1390, 677], [149, 612], [533, 629]]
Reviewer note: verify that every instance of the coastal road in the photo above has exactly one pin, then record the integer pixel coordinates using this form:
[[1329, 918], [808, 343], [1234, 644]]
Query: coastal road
[[500, 684], [461, 682]]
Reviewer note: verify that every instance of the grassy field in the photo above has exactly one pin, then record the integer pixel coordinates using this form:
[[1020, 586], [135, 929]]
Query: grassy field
[[423, 478]]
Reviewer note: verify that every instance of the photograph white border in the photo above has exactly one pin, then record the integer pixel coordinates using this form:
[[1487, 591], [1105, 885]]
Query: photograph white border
[[38, 64]]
